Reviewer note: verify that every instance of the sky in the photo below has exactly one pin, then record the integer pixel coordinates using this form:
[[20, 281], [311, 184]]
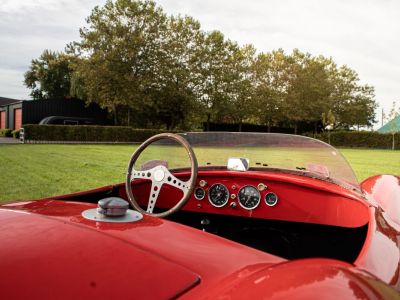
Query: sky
[[362, 34]]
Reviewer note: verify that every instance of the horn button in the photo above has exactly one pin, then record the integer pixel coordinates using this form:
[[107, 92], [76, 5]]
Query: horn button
[[159, 175]]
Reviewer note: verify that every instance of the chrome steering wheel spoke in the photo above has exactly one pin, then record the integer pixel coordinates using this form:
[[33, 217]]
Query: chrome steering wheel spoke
[[176, 182], [154, 192], [144, 174]]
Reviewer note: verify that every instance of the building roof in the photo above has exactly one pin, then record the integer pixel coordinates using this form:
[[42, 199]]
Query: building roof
[[391, 126], [7, 101]]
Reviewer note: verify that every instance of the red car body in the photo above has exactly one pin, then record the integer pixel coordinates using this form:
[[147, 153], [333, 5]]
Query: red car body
[[50, 250]]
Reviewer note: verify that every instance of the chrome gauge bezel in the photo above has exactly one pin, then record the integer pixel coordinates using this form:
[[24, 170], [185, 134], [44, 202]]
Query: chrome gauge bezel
[[259, 197], [227, 198], [195, 195], [265, 199]]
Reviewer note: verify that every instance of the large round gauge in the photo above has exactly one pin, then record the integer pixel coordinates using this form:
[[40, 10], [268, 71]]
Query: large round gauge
[[218, 195], [199, 193], [249, 197], [271, 199]]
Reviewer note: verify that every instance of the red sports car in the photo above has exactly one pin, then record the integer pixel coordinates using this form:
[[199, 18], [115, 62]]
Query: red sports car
[[211, 216]]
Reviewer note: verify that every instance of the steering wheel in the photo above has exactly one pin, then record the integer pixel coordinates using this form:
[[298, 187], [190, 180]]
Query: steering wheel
[[160, 175]]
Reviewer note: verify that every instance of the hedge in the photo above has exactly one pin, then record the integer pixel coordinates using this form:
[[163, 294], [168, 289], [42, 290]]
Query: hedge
[[361, 139], [86, 133], [15, 133], [5, 132]]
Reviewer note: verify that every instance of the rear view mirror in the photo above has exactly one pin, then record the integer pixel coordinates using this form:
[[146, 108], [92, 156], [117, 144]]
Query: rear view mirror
[[238, 164]]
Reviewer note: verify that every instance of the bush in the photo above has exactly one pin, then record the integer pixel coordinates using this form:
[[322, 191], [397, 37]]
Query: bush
[[5, 132], [86, 133], [361, 139], [15, 133]]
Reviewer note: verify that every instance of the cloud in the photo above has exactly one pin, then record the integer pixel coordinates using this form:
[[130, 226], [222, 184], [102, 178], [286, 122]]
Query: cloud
[[30, 26]]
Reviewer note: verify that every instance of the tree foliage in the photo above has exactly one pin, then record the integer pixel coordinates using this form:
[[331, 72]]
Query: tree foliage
[[154, 70], [49, 76]]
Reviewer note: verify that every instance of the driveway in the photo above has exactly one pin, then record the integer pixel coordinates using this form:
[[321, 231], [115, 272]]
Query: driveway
[[8, 140]]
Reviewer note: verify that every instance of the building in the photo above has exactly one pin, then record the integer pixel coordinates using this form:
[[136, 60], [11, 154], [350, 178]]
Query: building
[[15, 113], [391, 126], [10, 113]]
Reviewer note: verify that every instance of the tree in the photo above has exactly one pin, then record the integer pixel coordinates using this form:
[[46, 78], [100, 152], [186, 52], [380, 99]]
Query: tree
[[309, 88], [352, 103], [174, 82], [240, 76], [49, 76], [119, 52], [212, 74], [270, 84], [134, 58]]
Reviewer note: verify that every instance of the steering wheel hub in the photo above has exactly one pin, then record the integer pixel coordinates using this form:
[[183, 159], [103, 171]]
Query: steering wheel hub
[[159, 175]]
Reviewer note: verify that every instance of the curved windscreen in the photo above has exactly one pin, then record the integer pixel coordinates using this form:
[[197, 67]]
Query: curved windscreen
[[263, 152]]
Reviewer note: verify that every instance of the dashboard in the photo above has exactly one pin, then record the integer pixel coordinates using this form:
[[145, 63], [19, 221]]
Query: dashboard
[[248, 196], [262, 195]]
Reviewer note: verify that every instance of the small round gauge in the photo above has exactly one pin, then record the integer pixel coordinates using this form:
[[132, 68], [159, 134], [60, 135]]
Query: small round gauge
[[249, 197], [218, 195], [271, 199], [199, 193]]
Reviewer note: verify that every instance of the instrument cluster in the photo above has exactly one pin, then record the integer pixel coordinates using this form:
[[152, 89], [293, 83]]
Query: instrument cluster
[[247, 196]]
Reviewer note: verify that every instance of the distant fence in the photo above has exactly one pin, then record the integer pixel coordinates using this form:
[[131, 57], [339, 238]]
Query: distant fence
[[302, 128]]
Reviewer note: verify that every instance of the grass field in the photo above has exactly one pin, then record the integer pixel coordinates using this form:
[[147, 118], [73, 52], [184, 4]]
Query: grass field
[[37, 171]]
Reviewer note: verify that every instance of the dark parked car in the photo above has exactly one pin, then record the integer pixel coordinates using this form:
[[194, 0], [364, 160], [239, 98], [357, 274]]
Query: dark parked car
[[61, 120]]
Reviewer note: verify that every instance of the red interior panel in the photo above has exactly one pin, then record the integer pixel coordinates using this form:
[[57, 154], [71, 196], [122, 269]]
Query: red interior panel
[[300, 199]]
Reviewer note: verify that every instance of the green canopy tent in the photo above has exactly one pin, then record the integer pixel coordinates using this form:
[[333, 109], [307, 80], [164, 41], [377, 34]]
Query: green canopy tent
[[392, 126]]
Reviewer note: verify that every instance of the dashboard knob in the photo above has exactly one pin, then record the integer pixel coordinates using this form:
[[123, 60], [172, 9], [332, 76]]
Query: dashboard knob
[[261, 187], [203, 183]]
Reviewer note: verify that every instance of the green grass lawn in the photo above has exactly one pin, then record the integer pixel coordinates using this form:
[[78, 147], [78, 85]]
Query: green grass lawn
[[37, 171]]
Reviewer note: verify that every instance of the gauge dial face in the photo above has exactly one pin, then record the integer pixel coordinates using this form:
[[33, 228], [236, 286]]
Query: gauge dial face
[[199, 193], [271, 199], [218, 195], [249, 197]]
